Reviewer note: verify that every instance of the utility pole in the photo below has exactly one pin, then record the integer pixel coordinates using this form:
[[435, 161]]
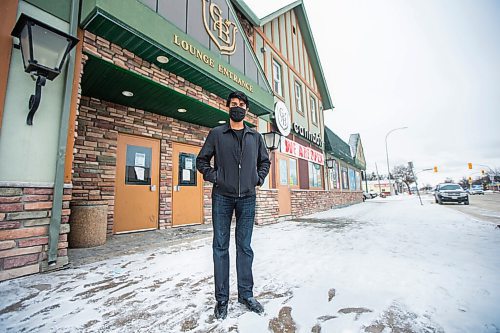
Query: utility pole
[[387, 157], [366, 181], [410, 165], [378, 177]]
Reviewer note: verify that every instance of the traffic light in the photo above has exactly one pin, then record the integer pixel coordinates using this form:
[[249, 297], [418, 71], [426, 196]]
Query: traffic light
[[470, 165], [435, 169], [470, 180]]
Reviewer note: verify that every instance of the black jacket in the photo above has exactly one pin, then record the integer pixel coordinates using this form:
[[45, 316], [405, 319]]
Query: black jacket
[[237, 170]]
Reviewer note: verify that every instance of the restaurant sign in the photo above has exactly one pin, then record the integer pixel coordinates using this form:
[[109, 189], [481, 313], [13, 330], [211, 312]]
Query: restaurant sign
[[303, 132], [205, 59], [297, 150], [221, 30]]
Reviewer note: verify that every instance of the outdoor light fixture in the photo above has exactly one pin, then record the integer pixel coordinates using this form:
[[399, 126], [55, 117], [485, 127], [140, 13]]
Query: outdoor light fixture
[[182, 110], [272, 140], [222, 121], [162, 59], [127, 93], [44, 50], [329, 163]]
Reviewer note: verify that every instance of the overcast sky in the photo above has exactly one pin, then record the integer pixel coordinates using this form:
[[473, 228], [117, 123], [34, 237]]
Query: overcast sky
[[430, 65]]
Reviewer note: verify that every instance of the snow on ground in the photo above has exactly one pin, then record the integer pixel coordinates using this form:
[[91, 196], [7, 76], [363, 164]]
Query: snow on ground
[[381, 266]]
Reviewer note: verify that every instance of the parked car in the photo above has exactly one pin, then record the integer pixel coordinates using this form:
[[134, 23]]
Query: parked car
[[476, 189], [373, 194], [449, 192]]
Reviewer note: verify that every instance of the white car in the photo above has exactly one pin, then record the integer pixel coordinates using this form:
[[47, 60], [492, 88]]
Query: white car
[[476, 189]]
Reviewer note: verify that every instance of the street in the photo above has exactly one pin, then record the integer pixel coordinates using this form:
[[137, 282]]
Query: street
[[385, 265], [483, 207]]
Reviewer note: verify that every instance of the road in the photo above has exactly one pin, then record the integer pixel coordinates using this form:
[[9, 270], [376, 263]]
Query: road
[[483, 207]]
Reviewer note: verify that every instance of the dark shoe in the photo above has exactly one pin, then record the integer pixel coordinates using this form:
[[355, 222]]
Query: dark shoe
[[220, 311], [252, 304]]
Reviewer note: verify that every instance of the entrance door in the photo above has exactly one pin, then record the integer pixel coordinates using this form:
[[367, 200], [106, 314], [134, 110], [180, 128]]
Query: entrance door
[[286, 177], [136, 184], [187, 195]]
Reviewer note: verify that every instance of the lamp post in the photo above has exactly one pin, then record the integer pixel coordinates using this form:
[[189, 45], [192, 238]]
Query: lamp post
[[272, 140], [387, 156], [44, 50]]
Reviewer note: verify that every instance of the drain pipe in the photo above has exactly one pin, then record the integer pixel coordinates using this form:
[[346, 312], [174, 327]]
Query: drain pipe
[[55, 219]]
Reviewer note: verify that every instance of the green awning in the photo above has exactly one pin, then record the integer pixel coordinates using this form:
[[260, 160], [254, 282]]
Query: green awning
[[134, 27], [106, 81]]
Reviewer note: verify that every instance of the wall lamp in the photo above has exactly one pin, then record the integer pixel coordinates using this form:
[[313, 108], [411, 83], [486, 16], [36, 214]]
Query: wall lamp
[[44, 50], [272, 140], [329, 163]]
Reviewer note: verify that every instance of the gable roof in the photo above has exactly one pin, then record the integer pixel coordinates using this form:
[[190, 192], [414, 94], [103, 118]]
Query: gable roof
[[335, 146], [353, 143], [300, 12], [357, 151]]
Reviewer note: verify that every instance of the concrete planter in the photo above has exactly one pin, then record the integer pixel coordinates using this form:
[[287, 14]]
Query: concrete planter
[[88, 222]]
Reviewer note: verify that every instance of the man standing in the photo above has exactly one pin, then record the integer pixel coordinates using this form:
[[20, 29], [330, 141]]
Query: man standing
[[241, 163]]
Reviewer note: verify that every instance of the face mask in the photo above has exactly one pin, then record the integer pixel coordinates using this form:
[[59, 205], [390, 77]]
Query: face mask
[[237, 114]]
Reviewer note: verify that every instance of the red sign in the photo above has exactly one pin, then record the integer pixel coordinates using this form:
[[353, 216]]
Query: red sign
[[296, 149]]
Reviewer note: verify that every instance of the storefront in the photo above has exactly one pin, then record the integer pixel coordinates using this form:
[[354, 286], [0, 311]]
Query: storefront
[[154, 81], [123, 123], [345, 168], [150, 81], [285, 48]]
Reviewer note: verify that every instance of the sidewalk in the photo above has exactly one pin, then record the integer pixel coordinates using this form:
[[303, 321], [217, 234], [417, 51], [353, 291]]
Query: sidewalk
[[387, 265], [126, 244]]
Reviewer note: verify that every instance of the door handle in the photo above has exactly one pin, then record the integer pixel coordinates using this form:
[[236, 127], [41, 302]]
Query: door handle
[[177, 188], [152, 188]]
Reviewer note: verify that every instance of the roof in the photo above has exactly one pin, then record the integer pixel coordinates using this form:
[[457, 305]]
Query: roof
[[335, 146], [263, 8], [353, 143], [260, 12], [357, 152]]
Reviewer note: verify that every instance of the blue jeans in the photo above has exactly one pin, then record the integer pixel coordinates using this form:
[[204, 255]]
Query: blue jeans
[[222, 213]]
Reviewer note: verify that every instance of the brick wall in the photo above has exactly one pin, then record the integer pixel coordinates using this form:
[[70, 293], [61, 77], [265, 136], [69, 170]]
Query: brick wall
[[305, 202], [94, 164], [24, 222], [267, 208], [99, 122]]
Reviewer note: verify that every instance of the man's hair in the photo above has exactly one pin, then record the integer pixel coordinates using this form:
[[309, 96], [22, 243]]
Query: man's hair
[[237, 94]]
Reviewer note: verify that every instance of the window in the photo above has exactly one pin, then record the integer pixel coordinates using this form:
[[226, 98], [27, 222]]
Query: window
[[450, 187], [138, 165], [283, 172], [314, 175], [352, 180], [345, 180], [277, 78], [294, 181], [333, 176], [298, 98], [314, 115]]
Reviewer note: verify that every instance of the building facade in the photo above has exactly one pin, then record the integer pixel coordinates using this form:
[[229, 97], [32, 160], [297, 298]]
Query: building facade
[[122, 125], [347, 165], [285, 48]]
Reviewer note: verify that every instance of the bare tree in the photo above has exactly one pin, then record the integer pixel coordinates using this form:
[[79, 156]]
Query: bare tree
[[404, 173], [464, 182]]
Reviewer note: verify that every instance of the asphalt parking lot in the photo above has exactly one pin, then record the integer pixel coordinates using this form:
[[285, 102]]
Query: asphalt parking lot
[[483, 207]]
